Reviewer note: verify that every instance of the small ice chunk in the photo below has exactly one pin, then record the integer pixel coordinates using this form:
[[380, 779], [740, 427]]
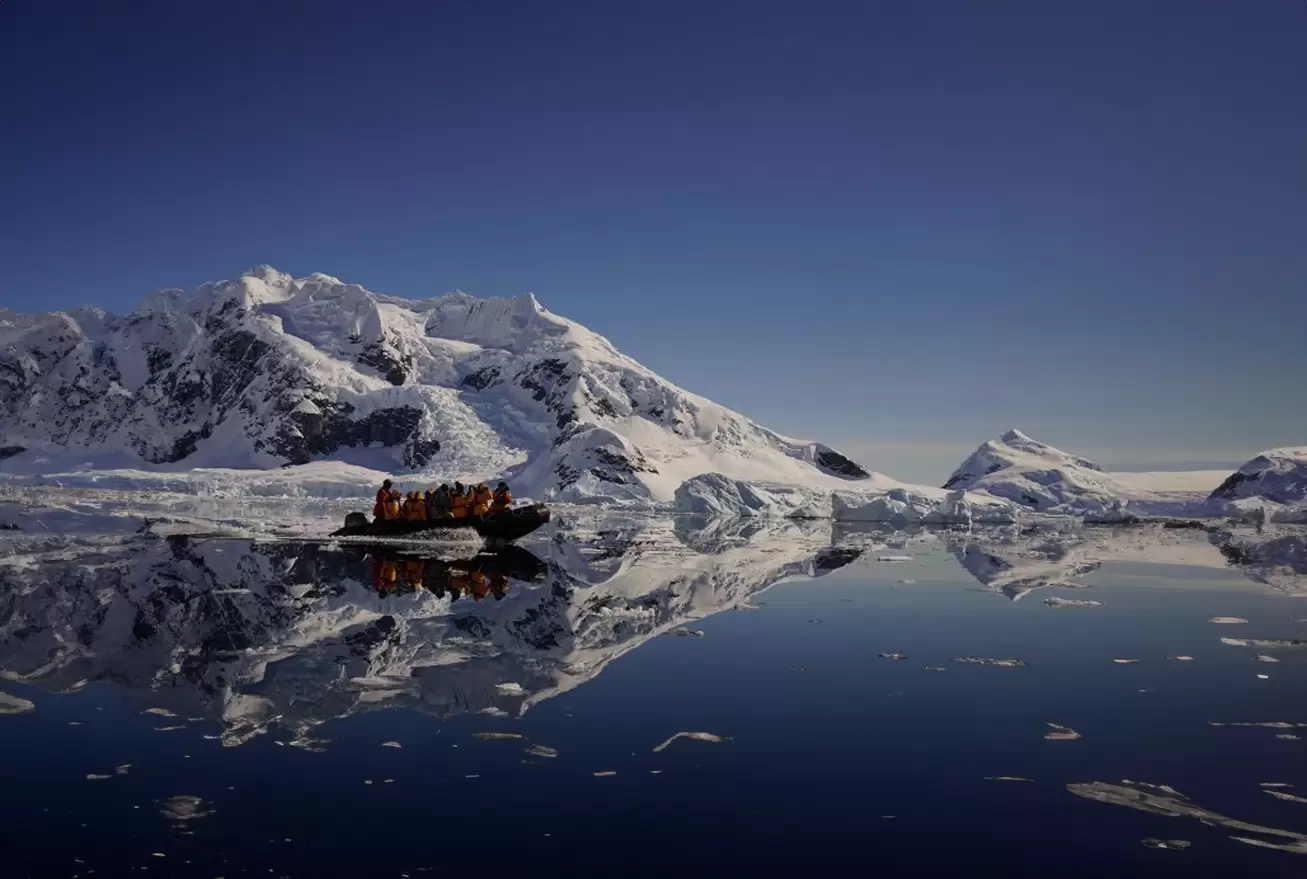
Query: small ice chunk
[[934, 668], [1265, 643], [893, 656], [1124, 661], [604, 774], [471, 776], [122, 770], [1054, 601], [1167, 844], [391, 745], [496, 736], [185, 807], [1006, 778], [908, 582], [14, 705], [1263, 677], [1288, 736], [1181, 658], [169, 728], [1227, 620], [542, 751], [990, 663], [697, 736], [1281, 795], [159, 712], [893, 558], [1262, 657], [510, 688], [1274, 784], [688, 633], [91, 776], [1061, 733], [492, 711]]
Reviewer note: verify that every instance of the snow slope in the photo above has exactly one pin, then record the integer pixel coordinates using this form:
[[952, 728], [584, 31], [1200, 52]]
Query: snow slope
[[1043, 478], [269, 370], [1279, 475]]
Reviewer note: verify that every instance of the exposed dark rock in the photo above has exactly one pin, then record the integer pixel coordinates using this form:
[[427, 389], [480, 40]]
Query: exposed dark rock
[[10, 451], [1228, 490], [311, 433], [393, 365], [485, 377], [836, 464]]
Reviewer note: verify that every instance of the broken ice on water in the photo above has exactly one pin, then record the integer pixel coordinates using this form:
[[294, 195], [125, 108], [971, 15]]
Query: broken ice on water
[[1265, 643], [1159, 799], [1061, 733], [1167, 844], [697, 736], [1054, 601], [15, 705], [989, 662], [185, 807]]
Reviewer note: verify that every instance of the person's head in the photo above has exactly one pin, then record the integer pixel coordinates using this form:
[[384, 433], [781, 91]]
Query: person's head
[[503, 486], [444, 486], [386, 485], [458, 487]]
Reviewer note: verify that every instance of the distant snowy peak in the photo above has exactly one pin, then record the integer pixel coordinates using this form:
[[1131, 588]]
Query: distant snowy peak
[[1033, 474], [1279, 475], [268, 370]]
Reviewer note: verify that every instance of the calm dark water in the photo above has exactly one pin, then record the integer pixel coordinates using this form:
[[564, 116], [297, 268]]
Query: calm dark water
[[287, 668]]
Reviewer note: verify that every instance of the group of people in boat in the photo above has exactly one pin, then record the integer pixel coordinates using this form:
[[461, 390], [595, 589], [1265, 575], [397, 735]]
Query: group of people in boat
[[444, 502], [414, 575]]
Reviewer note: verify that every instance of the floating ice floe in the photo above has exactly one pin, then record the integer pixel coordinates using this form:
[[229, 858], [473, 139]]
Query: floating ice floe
[[92, 776], [1281, 795], [688, 633], [492, 711], [1125, 661], [934, 668], [1262, 657], [542, 751], [1061, 733], [604, 774], [496, 736], [1265, 643], [159, 712], [1167, 844], [1160, 799], [893, 558], [1054, 601], [1228, 620], [185, 807], [1007, 778], [122, 770], [893, 656], [989, 662], [697, 736], [1181, 658], [510, 688], [15, 705], [391, 745]]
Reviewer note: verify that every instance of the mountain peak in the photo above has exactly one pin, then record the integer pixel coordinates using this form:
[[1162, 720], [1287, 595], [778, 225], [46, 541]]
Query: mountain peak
[[1012, 435]]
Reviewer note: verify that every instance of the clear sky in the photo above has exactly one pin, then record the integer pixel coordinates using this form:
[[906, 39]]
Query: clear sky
[[898, 227]]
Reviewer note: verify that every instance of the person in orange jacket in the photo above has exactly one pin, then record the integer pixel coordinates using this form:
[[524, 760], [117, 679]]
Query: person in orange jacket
[[462, 501], [417, 508], [481, 498], [379, 508], [502, 499], [393, 506]]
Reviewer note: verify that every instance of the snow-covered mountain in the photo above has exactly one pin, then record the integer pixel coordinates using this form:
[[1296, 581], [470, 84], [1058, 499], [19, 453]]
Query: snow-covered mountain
[[1035, 475], [1279, 475], [1042, 478], [269, 370]]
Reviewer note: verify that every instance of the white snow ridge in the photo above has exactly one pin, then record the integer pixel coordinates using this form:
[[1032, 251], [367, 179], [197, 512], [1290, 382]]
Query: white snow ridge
[[268, 370]]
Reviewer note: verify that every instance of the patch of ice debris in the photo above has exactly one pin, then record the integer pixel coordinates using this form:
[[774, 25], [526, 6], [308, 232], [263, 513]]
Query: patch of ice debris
[[1265, 643], [1167, 801], [1262, 657], [1227, 620], [510, 688], [391, 745], [93, 776], [989, 662], [893, 656], [1054, 601], [696, 736], [1166, 844], [497, 736], [1061, 733], [1281, 795], [15, 705], [1007, 778], [542, 751], [185, 807]]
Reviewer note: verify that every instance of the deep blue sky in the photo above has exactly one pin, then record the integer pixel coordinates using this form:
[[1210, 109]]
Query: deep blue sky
[[898, 227]]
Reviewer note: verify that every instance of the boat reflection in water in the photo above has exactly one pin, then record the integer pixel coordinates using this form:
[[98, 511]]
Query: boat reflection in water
[[486, 574]]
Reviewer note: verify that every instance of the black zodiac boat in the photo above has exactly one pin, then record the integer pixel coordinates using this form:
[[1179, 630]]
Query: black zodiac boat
[[504, 526]]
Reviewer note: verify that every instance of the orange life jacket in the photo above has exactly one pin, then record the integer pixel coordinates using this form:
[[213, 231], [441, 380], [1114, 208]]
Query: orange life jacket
[[502, 501], [481, 501], [462, 503]]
